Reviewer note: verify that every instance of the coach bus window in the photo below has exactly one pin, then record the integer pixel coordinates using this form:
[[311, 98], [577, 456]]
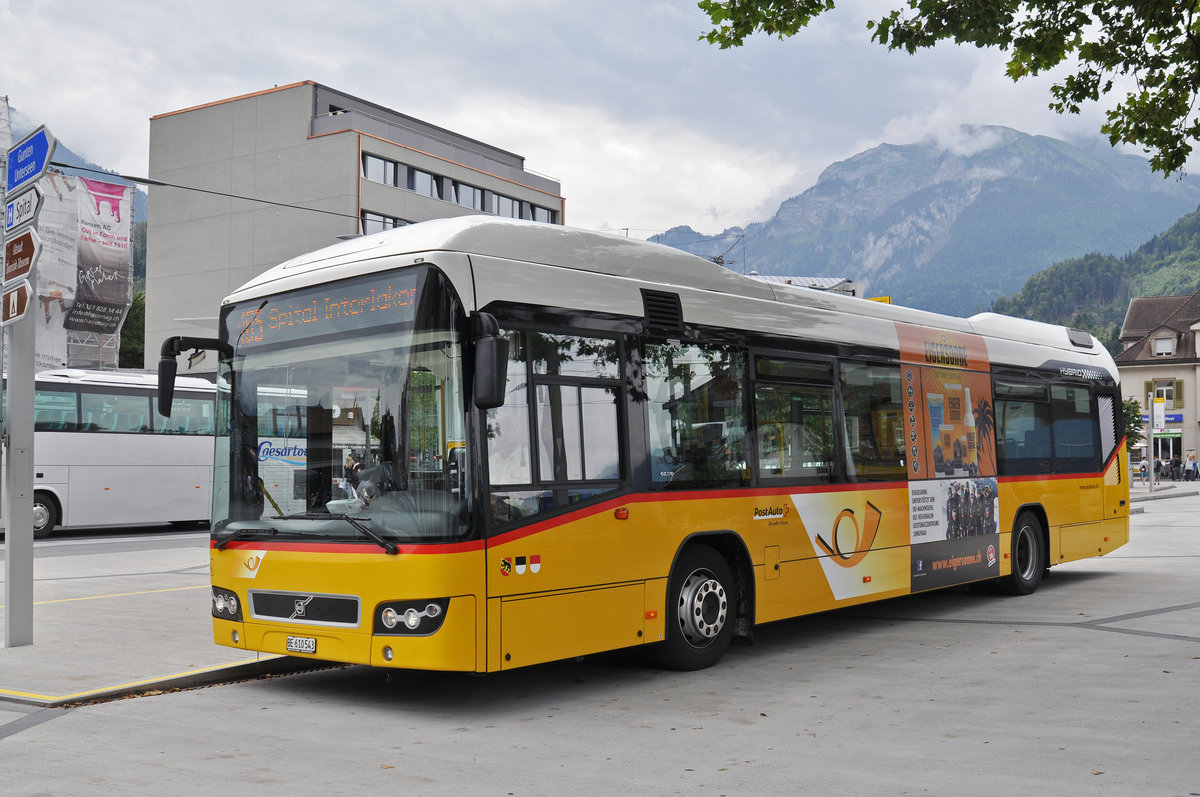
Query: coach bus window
[[1023, 429], [795, 421], [189, 415], [115, 412], [54, 411], [697, 415], [1074, 430], [872, 396]]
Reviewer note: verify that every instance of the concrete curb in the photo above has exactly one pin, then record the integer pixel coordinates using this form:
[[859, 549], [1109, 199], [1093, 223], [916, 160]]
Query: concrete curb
[[276, 665]]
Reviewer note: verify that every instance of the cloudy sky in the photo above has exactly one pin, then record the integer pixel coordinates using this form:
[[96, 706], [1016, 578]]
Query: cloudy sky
[[645, 126]]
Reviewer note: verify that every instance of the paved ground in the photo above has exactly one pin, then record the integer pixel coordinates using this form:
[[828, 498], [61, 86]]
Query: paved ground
[[1089, 686], [108, 623]]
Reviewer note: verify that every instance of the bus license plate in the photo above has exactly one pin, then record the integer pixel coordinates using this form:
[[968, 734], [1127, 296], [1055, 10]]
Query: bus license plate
[[301, 644]]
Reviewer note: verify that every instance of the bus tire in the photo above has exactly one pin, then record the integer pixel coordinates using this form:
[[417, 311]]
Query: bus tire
[[701, 611], [45, 515], [1028, 556]]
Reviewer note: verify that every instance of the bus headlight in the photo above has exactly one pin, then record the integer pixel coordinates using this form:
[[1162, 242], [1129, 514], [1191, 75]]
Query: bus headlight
[[414, 617], [225, 604]]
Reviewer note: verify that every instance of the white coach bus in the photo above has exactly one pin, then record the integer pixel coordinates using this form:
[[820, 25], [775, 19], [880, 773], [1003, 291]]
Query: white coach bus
[[104, 456]]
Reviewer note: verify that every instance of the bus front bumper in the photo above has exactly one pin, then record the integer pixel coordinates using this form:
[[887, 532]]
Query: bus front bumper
[[455, 645]]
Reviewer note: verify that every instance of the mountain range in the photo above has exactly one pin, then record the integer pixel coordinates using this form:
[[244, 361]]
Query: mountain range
[[1092, 291], [954, 226]]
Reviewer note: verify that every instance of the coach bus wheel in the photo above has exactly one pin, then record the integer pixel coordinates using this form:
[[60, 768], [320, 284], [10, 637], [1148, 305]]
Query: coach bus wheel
[[45, 516], [1028, 556], [701, 610]]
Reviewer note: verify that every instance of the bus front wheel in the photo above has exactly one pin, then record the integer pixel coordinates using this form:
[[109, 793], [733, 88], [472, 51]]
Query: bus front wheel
[[701, 610], [1028, 556], [45, 515]]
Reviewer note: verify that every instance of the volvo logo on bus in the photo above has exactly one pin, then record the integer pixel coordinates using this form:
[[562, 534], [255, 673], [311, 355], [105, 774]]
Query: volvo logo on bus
[[300, 607]]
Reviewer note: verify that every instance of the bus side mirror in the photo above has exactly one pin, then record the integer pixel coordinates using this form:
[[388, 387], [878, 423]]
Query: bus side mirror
[[491, 362], [172, 348], [166, 384]]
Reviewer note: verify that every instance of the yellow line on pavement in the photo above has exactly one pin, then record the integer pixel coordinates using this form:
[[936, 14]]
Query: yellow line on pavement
[[116, 595], [164, 680]]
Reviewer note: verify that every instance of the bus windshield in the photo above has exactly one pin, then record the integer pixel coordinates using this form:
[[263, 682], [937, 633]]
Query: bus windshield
[[340, 415]]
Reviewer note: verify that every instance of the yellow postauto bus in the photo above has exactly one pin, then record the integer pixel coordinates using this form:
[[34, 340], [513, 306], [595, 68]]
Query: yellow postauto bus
[[477, 444]]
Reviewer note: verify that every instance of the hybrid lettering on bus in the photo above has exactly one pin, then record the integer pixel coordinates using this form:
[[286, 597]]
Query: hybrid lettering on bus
[[561, 442]]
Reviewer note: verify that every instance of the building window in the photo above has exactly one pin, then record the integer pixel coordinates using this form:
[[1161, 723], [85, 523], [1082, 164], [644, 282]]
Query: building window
[[468, 196], [379, 170], [1170, 391], [387, 172], [377, 222], [424, 183], [1164, 347], [505, 206]]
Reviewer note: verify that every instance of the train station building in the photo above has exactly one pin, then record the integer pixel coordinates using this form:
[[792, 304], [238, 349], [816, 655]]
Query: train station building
[[243, 184]]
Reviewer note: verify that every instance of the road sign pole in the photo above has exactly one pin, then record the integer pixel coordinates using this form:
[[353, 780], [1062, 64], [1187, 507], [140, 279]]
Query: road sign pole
[[25, 163], [18, 493]]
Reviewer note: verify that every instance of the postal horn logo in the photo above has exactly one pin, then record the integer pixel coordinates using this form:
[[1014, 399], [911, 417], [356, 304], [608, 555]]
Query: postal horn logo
[[847, 533]]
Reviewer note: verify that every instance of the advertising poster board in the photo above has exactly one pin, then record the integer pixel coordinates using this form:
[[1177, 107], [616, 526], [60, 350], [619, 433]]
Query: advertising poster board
[[953, 499]]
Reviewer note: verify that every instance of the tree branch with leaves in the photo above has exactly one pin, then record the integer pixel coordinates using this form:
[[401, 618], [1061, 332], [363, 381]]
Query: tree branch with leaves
[[1156, 44]]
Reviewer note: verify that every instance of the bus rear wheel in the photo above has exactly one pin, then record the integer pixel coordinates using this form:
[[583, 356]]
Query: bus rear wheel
[[45, 515], [1028, 556], [701, 611]]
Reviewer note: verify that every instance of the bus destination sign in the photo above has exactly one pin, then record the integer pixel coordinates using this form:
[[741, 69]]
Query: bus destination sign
[[323, 311]]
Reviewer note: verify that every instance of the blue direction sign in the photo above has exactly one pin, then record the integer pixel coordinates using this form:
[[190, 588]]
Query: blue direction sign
[[28, 159]]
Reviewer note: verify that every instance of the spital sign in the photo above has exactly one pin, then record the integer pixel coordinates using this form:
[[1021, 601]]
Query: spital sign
[[20, 255]]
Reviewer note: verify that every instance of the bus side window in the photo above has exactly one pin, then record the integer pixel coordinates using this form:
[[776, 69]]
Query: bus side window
[[1075, 428], [565, 447], [54, 410], [872, 396], [697, 415], [1023, 427]]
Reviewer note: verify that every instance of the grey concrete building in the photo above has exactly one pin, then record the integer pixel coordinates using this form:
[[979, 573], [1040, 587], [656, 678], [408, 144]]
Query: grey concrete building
[[291, 169]]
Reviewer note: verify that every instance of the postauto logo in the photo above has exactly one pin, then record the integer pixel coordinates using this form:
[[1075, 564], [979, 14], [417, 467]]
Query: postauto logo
[[293, 456]]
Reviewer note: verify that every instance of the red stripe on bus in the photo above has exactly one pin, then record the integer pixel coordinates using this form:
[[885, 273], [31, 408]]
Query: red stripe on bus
[[359, 548]]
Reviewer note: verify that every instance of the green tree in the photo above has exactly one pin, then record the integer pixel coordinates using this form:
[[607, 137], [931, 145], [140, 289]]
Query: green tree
[[133, 333], [138, 250], [1132, 410], [1157, 44]]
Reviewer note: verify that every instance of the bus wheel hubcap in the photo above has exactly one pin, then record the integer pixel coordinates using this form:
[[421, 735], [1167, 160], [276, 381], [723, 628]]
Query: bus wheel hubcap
[[703, 607], [40, 517]]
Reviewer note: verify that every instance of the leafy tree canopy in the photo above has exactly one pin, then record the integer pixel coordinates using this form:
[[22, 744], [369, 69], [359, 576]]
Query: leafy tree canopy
[[1131, 409], [1157, 44]]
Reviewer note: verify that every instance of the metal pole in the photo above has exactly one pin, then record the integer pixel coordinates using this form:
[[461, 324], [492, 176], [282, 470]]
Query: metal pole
[[1153, 455], [18, 538]]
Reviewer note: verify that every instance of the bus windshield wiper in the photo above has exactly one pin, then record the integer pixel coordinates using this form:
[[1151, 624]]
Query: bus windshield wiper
[[238, 534], [355, 523]]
